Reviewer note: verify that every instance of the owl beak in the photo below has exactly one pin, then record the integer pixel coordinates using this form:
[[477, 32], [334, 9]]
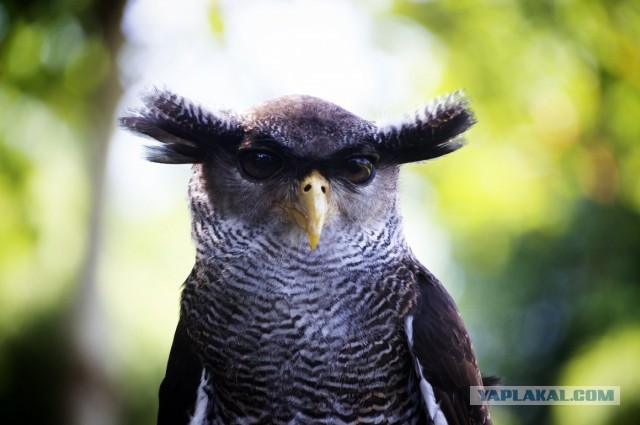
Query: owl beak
[[314, 191]]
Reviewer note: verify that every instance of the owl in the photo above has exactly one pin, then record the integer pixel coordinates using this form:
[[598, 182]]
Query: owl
[[305, 303]]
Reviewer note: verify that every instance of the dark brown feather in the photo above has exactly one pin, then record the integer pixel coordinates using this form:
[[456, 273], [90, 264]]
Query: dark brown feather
[[443, 348], [179, 388]]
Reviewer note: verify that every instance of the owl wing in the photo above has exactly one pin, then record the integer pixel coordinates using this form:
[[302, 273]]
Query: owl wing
[[443, 356], [183, 396]]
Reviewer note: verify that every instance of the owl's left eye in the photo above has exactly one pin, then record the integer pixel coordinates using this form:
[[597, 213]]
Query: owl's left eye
[[259, 165], [358, 170]]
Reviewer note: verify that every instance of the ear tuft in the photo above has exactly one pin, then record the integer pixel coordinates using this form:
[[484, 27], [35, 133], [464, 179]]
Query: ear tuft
[[187, 132], [432, 131]]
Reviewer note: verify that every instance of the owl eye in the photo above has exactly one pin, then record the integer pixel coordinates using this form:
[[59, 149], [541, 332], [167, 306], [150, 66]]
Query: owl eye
[[358, 170], [259, 165]]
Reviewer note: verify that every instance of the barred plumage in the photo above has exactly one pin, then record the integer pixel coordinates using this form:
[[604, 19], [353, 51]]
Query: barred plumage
[[305, 304]]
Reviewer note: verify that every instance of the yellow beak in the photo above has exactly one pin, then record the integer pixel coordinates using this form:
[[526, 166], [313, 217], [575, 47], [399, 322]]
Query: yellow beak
[[314, 193]]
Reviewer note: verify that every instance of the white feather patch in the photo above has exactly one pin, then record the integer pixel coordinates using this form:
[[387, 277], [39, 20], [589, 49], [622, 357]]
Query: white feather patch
[[429, 398], [202, 402]]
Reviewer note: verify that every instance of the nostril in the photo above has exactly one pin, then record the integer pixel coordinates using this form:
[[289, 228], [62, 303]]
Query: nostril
[[307, 188], [323, 189]]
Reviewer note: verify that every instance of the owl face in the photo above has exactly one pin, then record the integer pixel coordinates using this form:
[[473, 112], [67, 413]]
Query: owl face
[[302, 164], [298, 163]]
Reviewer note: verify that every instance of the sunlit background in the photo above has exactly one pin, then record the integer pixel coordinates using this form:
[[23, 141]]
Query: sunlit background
[[534, 227]]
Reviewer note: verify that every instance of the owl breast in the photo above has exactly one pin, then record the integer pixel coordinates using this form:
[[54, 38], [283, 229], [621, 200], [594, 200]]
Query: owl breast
[[287, 337]]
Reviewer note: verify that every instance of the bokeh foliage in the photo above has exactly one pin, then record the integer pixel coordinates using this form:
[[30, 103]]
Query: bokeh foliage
[[542, 207], [57, 93]]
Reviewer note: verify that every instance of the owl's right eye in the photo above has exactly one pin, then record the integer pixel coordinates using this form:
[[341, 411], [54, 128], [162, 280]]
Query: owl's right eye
[[259, 164]]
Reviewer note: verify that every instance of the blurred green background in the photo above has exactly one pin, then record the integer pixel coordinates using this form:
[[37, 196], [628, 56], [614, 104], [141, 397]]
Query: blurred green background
[[538, 217]]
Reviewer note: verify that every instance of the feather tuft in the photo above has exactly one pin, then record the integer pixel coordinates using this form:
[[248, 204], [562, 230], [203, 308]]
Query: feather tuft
[[431, 131], [187, 132]]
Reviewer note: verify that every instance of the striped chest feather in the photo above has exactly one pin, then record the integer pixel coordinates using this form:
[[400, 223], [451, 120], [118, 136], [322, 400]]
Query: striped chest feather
[[284, 335]]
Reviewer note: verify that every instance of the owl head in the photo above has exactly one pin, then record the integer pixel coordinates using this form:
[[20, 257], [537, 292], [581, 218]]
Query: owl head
[[297, 163]]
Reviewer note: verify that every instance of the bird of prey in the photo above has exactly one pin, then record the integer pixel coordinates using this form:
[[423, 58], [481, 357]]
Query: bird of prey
[[305, 304]]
